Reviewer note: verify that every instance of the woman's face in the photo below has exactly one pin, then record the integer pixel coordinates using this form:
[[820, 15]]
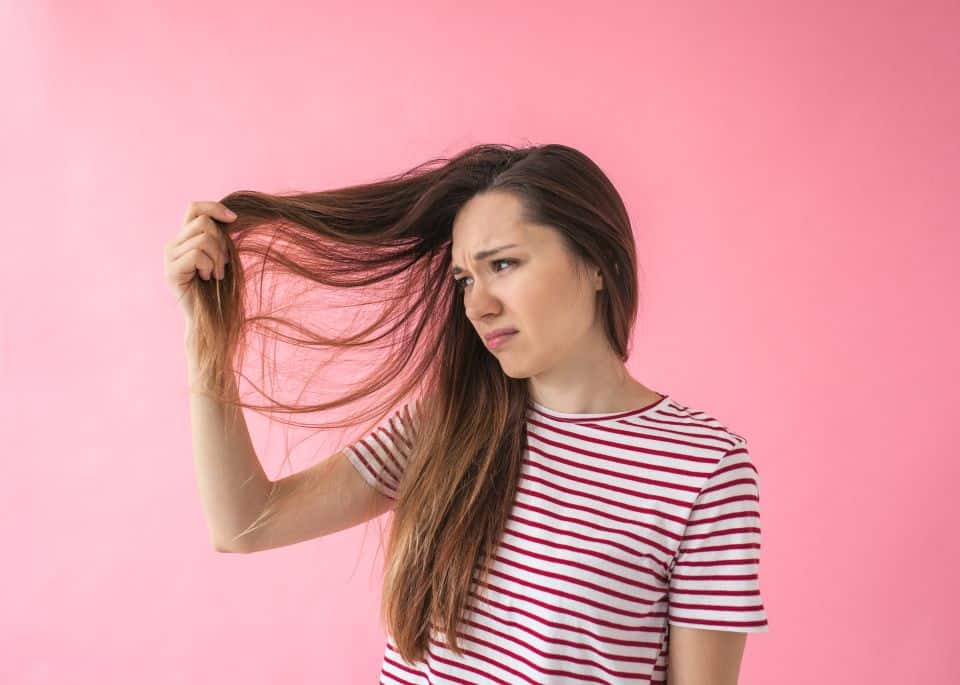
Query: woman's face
[[531, 286]]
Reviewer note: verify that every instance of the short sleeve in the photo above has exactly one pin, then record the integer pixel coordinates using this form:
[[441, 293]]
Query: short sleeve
[[714, 582], [381, 455]]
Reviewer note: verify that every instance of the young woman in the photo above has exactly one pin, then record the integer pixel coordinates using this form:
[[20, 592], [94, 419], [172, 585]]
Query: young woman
[[554, 520]]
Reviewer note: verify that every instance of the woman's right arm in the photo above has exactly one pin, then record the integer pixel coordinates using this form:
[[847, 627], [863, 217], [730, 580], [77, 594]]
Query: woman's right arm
[[234, 489], [325, 498], [233, 486], [232, 483]]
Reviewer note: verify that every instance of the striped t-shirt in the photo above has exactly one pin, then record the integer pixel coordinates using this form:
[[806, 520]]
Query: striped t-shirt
[[623, 524]]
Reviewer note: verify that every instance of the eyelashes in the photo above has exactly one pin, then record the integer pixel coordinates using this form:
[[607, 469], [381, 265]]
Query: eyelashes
[[458, 283]]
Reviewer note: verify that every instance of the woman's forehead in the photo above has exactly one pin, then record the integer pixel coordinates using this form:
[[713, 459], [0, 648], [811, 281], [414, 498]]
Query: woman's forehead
[[478, 243]]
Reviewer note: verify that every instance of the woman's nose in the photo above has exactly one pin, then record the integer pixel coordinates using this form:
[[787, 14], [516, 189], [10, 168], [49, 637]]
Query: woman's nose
[[480, 301]]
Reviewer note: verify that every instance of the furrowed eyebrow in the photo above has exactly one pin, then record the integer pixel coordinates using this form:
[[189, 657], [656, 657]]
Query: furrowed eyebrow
[[482, 254]]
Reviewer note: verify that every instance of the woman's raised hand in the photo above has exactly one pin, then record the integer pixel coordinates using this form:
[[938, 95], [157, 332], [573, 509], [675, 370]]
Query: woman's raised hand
[[198, 249]]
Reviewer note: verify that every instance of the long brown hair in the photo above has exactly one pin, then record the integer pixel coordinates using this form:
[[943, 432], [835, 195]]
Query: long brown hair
[[394, 236]]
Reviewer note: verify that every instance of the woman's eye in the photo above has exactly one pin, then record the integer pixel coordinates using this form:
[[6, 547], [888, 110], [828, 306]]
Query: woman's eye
[[459, 283]]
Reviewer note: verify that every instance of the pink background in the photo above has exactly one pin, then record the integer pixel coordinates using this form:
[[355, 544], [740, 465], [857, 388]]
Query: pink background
[[791, 170]]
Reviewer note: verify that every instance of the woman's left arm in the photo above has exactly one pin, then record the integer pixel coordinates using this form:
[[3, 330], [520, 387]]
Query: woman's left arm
[[704, 657]]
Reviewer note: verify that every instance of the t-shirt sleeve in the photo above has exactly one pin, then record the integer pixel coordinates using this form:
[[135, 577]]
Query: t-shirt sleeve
[[381, 455], [714, 583]]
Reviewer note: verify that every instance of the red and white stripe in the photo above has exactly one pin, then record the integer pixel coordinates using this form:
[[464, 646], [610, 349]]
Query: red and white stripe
[[623, 524]]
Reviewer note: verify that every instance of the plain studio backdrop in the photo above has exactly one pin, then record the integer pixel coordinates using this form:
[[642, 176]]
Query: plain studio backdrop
[[791, 172]]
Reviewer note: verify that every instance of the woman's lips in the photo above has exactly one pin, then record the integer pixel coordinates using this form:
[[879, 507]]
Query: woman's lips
[[494, 343]]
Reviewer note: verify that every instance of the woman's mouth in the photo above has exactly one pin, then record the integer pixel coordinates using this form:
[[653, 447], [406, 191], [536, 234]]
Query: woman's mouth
[[496, 342]]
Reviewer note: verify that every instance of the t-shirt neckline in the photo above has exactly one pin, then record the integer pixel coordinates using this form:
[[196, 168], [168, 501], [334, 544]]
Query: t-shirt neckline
[[583, 417]]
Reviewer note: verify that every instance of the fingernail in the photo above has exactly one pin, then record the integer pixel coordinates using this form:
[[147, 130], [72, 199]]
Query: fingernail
[[231, 214]]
